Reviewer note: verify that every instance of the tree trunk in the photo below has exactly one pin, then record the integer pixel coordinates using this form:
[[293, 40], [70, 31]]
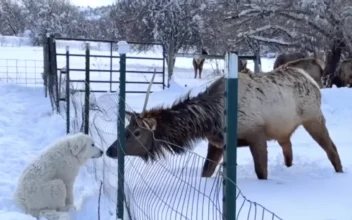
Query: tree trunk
[[170, 60], [333, 57]]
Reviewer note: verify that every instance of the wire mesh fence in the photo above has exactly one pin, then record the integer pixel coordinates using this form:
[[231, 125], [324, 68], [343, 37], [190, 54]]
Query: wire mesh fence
[[170, 188], [22, 72]]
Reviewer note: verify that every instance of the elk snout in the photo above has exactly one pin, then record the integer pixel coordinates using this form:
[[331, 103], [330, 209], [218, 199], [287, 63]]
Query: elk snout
[[111, 152]]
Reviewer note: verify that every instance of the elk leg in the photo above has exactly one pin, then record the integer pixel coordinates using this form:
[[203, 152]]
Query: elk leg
[[200, 72], [317, 129], [242, 143], [214, 156], [286, 146], [195, 68], [258, 148], [201, 68]]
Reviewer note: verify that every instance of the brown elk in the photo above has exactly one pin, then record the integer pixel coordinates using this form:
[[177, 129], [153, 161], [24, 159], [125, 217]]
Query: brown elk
[[198, 63], [342, 77], [271, 107], [199, 60], [242, 67], [285, 58]]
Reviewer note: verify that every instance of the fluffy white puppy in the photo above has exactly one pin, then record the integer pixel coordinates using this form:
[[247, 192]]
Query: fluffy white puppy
[[46, 184]]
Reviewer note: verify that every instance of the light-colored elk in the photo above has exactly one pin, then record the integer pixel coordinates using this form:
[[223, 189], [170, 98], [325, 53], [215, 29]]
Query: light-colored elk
[[271, 107], [313, 66], [285, 58]]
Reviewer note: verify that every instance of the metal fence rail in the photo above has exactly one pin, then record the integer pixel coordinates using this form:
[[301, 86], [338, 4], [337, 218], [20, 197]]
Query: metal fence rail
[[22, 72], [103, 68]]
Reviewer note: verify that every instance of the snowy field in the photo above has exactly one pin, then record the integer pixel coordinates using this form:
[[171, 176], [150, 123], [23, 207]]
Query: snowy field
[[310, 189]]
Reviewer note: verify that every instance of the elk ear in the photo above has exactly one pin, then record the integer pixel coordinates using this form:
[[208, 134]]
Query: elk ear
[[150, 123], [129, 115]]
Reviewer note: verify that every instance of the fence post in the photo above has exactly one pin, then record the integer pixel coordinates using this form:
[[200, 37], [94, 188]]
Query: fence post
[[51, 81], [67, 89], [257, 66], [230, 151], [123, 48], [46, 63], [54, 73], [164, 57], [87, 92], [111, 66]]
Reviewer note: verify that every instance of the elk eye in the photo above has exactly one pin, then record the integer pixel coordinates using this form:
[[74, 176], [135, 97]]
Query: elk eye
[[136, 133]]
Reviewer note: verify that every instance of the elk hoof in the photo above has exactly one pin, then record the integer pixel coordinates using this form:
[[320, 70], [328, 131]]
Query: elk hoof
[[262, 175], [288, 164]]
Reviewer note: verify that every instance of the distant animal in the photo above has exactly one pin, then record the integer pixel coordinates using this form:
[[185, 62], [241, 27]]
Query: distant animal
[[313, 66], [242, 67], [271, 107], [198, 63], [46, 184], [342, 76], [285, 58]]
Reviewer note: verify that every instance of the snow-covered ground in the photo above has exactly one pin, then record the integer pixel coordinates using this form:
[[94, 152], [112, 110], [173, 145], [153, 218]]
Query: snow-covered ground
[[310, 189]]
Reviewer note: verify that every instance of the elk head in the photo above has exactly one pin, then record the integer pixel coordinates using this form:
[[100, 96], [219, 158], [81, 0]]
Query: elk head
[[242, 65], [139, 136], [139, 132]]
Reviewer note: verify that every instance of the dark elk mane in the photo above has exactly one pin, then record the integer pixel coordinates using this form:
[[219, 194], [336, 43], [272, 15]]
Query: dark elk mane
[[186, 121]]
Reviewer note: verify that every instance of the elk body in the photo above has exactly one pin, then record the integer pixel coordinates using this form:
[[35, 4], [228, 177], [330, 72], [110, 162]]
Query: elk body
[[285, 58], [198, 63], [313, 66], [271, 107], [342, 76]]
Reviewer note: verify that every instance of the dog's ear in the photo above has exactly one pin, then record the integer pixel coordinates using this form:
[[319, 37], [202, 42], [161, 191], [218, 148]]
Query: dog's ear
[[76, 148]]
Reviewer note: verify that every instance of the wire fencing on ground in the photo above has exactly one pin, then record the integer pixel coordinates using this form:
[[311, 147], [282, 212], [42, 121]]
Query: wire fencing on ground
[[22, 72], [170, 188]]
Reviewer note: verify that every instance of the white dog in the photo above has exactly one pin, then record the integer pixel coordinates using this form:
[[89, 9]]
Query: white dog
[[47, 183]]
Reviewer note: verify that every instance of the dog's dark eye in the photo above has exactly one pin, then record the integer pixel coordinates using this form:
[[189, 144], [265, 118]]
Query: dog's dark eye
[[136, 133], [93, 145]]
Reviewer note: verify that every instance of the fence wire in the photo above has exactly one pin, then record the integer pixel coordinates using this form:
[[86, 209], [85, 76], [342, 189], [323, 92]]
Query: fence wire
[[22, 72], [170, 188]]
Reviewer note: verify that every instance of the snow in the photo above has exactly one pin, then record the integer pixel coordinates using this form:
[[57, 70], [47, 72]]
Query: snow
[[123, 47], [26, 128], [310, 189]]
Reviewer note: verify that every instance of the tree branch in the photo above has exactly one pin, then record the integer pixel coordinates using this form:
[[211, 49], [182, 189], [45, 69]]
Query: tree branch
[[272, 41], [267, 27]]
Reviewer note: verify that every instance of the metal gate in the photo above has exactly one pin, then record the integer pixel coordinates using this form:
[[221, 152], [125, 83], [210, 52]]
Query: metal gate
[[96, 62]]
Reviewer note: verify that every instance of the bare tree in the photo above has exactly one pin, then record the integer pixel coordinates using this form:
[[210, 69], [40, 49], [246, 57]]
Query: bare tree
[[174, 23], [308, 25], [12, 21]]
